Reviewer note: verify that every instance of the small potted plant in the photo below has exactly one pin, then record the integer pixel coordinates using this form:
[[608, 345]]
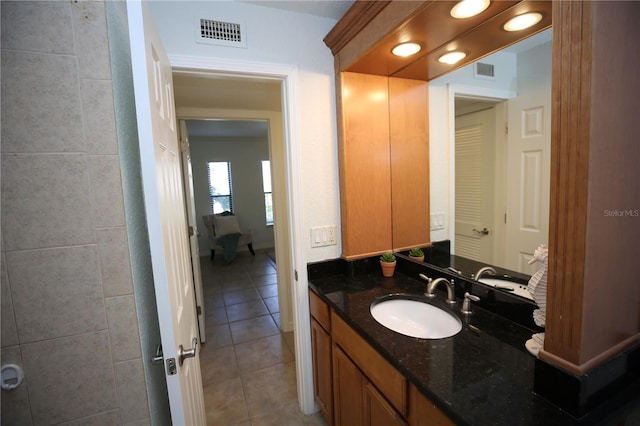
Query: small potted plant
[[388, 264], [416, 253]]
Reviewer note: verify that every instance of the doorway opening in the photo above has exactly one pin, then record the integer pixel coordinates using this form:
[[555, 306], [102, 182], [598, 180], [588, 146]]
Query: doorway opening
[[284, 254]]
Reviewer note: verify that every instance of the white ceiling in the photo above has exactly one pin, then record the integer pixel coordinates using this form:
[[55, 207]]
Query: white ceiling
[[326, 8]]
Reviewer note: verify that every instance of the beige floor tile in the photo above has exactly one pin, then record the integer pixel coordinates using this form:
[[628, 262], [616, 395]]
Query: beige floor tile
[[215, 316], [225, 403], [289, 415], [233, 297], [270, 290], [243, 311], [261, 353], [218, 336], [218, 365], [254, 328], [270, 388], [272, 304]]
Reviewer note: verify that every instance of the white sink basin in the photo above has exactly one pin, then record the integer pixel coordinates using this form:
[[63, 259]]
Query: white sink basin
[[510, 286], [415, 318]]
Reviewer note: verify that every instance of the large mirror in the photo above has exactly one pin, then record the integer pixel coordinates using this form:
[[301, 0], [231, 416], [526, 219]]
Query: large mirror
[[490, 147]]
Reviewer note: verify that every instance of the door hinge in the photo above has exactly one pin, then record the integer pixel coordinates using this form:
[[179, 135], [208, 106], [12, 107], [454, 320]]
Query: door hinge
[[506, 129], [505, 218], [295, 274], [191, 232], [198, 310]]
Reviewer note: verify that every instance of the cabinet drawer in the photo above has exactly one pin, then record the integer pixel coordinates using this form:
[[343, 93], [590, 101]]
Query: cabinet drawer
[[319, 310], [377, 369]]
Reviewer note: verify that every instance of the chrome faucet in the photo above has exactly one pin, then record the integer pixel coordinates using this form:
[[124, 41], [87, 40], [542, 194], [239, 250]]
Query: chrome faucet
[[432, 284], [486, 270]]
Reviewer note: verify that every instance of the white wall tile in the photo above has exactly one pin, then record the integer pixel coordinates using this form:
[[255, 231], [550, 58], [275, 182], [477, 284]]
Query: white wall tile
[[115, 266], [41, 104], [45, 201], [109, 418], [123, 328], [99, 117], [92, 45], [69, 378], [9, 335], [37, 26], [132, 394], [106, 184], [56, 292], [15, 404]]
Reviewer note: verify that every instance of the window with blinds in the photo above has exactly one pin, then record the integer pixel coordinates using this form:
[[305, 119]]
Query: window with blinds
[[268, 196], [220, 188]]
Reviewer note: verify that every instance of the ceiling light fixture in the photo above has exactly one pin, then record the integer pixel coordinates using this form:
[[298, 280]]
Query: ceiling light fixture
[[469, 8], [452, 57], [522, 22], [406, 49]]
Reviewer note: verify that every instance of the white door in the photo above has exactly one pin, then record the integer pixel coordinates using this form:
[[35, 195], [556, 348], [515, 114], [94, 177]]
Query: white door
[[528, 158], [189, 199], [475, 170], [166, 219]]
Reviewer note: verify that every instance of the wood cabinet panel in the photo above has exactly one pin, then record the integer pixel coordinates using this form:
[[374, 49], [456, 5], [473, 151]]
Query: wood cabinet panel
[[347, 390], [320, 311], [422, 412], [377, 411], [409, 141], [379, 371], [364, 156], [322, 373]]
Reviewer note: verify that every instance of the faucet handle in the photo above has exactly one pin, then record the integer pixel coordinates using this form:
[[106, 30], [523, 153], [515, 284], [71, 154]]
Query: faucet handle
[[426, 278], [466, 304]]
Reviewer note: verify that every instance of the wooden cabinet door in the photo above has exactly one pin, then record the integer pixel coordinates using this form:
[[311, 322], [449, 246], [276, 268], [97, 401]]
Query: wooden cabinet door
[[322, 380], [364, 157], [377, 411], [422, 412], [347, 391]]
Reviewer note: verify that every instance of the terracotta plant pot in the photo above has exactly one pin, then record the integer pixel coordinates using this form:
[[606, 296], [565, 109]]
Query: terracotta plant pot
[[418, 258], [388, 268]]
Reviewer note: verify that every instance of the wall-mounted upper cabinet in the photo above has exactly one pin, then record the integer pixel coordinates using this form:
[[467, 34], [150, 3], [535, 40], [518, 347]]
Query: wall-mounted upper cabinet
[[384, 163]]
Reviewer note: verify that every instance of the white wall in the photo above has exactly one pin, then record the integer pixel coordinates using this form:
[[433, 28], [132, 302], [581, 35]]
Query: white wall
[[278, 37], [245, 155]]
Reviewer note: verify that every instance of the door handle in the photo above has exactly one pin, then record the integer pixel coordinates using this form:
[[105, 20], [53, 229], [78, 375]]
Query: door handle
[[158, 357], [483, 231], [189, 353]]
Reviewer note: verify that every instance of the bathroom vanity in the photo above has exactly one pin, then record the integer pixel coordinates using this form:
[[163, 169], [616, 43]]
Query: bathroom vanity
[[368, 374]]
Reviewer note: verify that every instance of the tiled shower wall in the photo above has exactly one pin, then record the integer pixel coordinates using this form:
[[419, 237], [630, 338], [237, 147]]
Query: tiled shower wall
[[68, 305]]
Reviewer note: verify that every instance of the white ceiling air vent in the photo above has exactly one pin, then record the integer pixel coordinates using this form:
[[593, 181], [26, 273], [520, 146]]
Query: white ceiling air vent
[[220, 33], [484, 70]]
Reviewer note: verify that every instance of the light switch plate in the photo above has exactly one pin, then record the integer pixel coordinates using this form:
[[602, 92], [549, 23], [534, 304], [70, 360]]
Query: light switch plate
[[322, 236]]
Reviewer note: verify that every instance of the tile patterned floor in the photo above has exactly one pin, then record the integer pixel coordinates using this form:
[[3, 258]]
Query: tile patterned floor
[[247, 363]]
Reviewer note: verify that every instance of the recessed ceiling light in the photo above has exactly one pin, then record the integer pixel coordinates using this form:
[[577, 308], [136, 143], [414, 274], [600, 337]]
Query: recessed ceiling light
[[452, 57], [469, 8], [522, 22], [406, 49]]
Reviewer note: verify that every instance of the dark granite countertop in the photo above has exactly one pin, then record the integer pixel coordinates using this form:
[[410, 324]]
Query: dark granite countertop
[[481, 376]]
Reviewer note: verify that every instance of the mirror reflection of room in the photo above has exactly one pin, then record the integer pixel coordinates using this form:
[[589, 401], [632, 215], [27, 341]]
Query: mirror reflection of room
[[495, 148]]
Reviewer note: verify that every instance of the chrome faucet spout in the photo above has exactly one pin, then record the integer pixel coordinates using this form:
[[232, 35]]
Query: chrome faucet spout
[[482, 271], [451, 295]]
